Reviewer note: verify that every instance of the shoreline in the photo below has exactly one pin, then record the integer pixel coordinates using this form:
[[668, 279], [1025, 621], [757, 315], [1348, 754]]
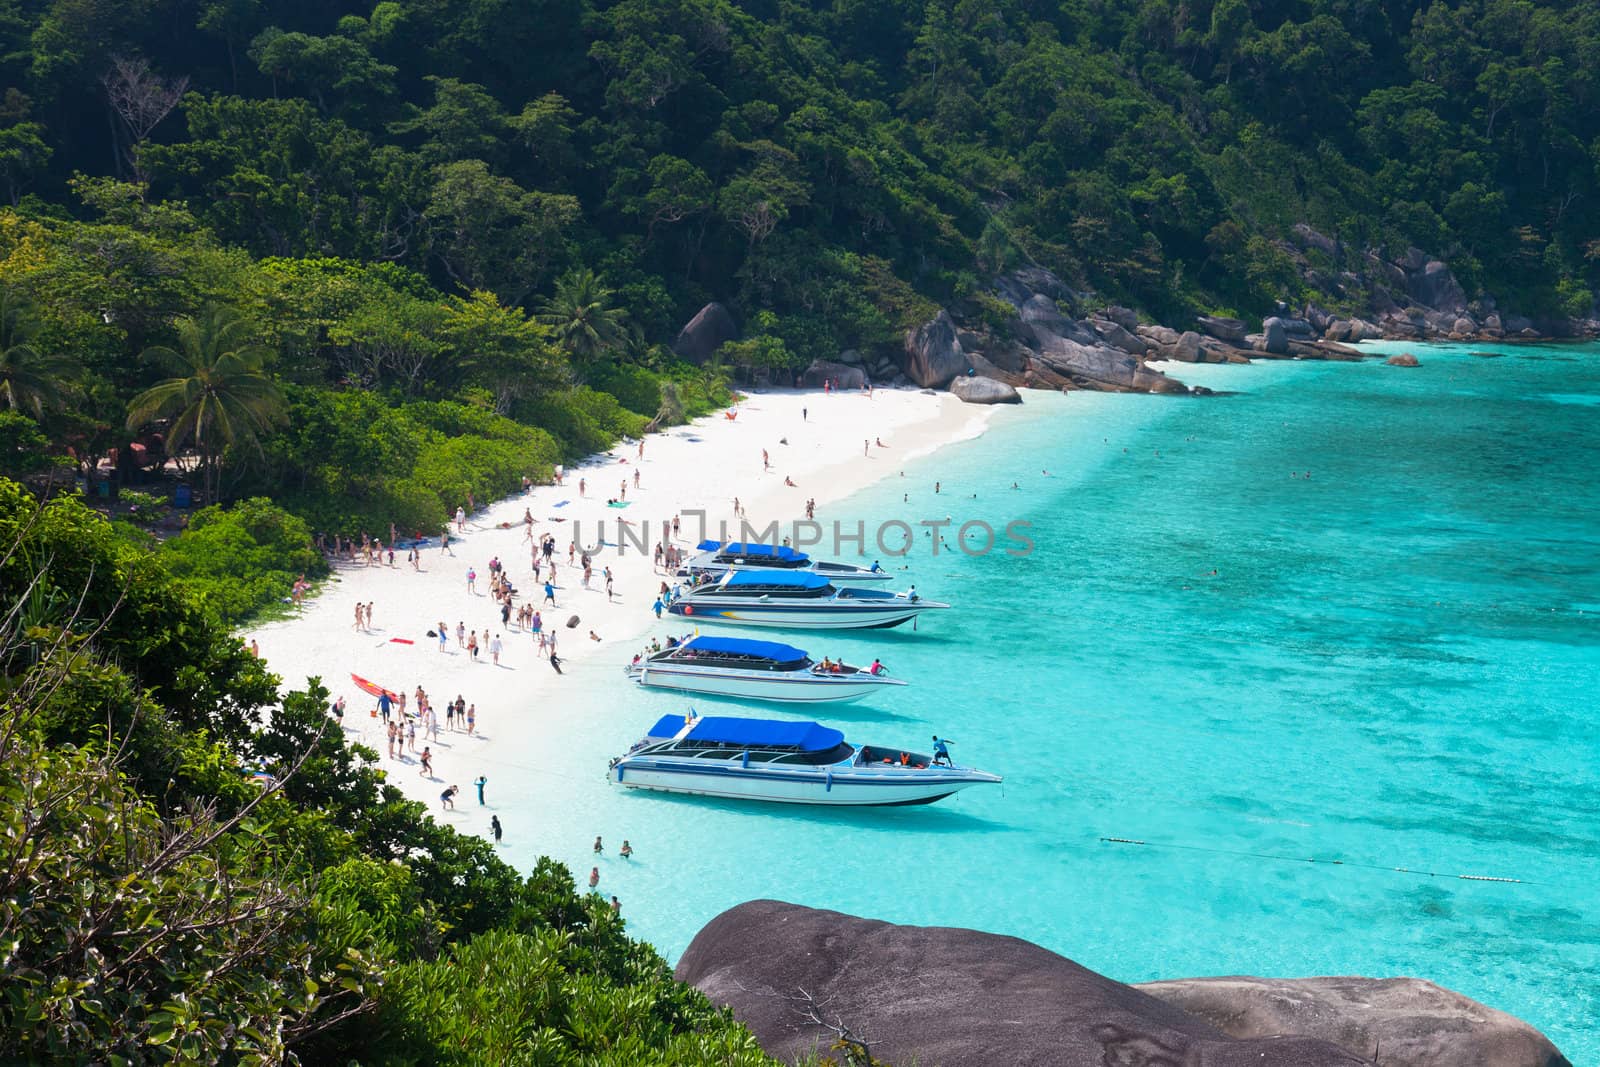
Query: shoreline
[[701, 465]]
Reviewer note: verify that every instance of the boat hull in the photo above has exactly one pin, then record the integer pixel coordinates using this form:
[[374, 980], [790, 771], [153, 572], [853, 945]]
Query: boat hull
[[814, 786], [821, 617], [796, 688]]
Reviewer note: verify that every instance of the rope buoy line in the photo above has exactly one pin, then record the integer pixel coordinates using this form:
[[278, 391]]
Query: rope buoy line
[[1315, 859]]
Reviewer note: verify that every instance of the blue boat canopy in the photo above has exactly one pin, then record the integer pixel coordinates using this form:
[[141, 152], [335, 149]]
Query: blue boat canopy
[[757, 733], [739, 646], [788, 579], [752, 548]]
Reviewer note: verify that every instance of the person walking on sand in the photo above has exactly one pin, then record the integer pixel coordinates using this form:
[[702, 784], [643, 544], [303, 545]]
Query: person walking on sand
[[360, 611], [369, 614], [426, 769], [555, 662], [494, 827], [444, 634], [461, 519], [583, 486], [549, 594], [472, 644], [472, 580], [480, 782], [608, 583], [461, 634], [494, 650], [444, 541]]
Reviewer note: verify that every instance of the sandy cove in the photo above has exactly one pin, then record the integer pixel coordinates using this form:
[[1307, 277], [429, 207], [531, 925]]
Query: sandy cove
[[701, 466]]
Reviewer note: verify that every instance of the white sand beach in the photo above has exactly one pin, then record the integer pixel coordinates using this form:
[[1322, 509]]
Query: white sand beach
[[831, 452]]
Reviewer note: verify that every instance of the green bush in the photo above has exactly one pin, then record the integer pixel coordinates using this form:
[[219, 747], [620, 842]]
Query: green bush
[[242, 559]]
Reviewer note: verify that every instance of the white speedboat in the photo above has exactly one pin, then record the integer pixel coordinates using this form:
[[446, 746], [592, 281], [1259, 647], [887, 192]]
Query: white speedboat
[[755, 670], [714, 557], [787, 762], [801, 601]]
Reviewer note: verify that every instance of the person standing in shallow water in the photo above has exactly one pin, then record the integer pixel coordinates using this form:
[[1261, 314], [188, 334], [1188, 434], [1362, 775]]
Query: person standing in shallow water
[[494, 827], [594, 877], [480, 782]]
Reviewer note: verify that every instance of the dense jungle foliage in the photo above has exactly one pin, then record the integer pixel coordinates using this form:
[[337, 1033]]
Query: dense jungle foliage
[[375, 229], [197, 872]]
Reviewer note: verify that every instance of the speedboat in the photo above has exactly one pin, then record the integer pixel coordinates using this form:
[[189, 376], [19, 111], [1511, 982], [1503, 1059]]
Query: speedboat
[[756, 670], [714, 557], [797, 600], [787, 762]]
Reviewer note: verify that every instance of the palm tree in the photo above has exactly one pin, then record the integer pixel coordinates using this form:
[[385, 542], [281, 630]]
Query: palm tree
[[670, 413], [220, 395], [581, 317], [714, 377], [28, 380]]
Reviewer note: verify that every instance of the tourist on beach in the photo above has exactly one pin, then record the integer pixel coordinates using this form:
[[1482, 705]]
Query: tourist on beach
[[555, 662], [447, 799], [494, 827], [461, 634], [472, 580], [472, 718], [360, 611], [593, 636], [480, 782], [444, 634], [411, 734], [866, 448], [494, 650], [255, 649], [427, 762], [461, 519], [627, 850], [385, 705], [472, 644], [444, 542], [609, 595], [549, 594], [656, 607], [582, 486]]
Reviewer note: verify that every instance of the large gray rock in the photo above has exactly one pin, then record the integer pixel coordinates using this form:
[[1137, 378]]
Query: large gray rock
[[1042, 318], [1113, 334], [702, 335], [1158, 335], [949, 998], [842, 376], [1435, 287], [1102, 367], [933, 354], [1274, 338], [1185, 348], [1127, 318], [1401, 1022], [975, 390], [1223, 329]]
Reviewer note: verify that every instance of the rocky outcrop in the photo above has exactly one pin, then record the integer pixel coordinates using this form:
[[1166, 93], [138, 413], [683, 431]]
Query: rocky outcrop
[[1228, 330], [1274, 338], [975, 390], [1402, 359], [933, 354], [949, 997], [1400, 1022], [702, 335], [842, 376]]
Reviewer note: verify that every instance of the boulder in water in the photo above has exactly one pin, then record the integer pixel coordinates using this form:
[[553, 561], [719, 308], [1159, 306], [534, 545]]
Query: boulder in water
[[1402, 359], [1400, 1022], [975, 390], [949, 997]]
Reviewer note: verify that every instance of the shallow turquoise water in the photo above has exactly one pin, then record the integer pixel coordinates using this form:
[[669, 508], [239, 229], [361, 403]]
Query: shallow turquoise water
[[1394, 666]]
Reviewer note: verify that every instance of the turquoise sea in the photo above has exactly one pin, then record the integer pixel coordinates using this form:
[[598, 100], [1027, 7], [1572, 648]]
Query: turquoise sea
[[1343, 621]]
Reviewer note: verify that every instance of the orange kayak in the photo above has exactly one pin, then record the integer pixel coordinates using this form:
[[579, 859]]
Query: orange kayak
[[372, 688]]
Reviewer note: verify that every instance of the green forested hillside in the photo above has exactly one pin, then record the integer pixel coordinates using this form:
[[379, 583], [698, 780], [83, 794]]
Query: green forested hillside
[[491, 202]]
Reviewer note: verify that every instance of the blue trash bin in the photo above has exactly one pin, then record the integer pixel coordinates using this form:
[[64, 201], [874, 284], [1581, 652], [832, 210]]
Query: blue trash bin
[[182, 497]]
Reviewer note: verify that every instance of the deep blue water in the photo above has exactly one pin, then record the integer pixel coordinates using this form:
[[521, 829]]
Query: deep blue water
[[1394, 665]]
